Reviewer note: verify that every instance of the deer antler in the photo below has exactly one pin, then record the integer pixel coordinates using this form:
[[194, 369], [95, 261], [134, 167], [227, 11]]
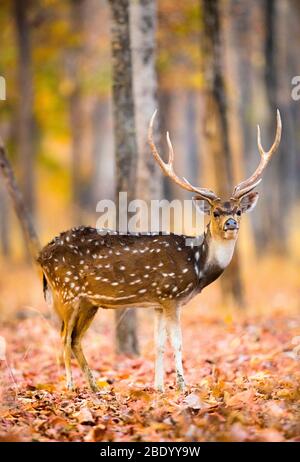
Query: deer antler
[[168, 170], [247, 185]]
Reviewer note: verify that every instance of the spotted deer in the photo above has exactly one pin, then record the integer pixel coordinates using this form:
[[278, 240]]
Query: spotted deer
[[85, 269]]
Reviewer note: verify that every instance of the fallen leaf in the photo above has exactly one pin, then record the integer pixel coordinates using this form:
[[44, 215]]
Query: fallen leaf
[[238, 432], [102, 383], [270, 435], [240, 398], [10, 438], [85, 416], [96, 433], [46, 386], [58, 421], [274, 409], [193, 401], [140, 394]]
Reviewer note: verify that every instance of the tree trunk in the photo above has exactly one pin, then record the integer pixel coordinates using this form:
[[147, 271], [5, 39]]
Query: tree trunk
[[4, 224], [143, 31], [277, 73], [125, 143], [98, 143], [243, 47], [74, 70], [216, 129], [295, 106], [26, 122], [102, 151], [272, 195]]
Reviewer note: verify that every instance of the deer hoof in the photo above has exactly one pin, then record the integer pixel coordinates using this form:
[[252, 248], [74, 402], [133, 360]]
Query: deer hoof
[[159, 388], [70, 385], [181, 385], [94, 388]]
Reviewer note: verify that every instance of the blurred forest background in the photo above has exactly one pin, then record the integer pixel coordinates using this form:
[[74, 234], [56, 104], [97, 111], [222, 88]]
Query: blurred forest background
[[214, 68], [83, 78]]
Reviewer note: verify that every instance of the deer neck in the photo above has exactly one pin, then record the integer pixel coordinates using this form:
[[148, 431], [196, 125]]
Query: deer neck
[[220, 251], [215, 256]]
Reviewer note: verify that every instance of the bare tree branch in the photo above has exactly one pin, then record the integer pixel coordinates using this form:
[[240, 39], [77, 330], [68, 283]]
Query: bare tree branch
[[20, 207]]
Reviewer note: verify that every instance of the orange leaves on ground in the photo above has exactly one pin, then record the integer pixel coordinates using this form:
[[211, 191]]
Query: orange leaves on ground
[[244, 386]]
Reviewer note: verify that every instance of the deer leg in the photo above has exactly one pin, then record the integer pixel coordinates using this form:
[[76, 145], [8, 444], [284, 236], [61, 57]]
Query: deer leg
[[160, 334], [85, 317], [60, 354], [172, 313], [67, 340]]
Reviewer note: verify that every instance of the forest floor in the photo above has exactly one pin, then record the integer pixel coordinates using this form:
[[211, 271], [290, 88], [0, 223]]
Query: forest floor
[[242, 369]]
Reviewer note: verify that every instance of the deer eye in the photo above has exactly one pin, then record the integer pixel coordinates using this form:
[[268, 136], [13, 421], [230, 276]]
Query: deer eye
[[216, 214], [239, 213]]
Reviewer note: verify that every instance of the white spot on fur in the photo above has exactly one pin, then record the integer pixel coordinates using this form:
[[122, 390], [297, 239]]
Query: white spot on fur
[[135, 282]]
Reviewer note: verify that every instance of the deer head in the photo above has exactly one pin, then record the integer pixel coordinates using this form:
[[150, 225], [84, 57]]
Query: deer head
[[225, 216]]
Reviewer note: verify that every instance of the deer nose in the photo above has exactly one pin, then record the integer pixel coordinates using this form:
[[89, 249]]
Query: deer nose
[[230, 224]]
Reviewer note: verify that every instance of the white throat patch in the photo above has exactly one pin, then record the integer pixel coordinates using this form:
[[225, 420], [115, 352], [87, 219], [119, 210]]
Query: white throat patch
[[220, 252]]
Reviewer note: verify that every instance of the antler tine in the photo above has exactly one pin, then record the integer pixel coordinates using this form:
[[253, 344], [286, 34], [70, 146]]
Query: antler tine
[[168, 170], [276, 142], [171, 150], [154, 151], [247, 185]]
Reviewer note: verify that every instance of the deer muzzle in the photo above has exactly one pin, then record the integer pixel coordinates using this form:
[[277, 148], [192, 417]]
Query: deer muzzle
[[231, 225]]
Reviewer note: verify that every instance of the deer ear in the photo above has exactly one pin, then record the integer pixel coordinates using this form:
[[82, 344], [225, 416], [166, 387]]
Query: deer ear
[[248, 202], [202, 205]]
